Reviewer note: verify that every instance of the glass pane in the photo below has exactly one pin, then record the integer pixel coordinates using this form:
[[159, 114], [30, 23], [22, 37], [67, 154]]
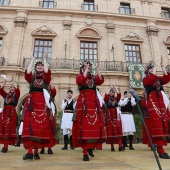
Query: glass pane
[[45, 43], [131, 59], [90, 45], [35, 54], [134, 54], [51, 5], [49, 43], [40, 49], [91, 57], [81, 44], [130, 47], [95, 51], [94, 45], [81, 56], [133, 48], [126, 53], [130, 53], [86, 45], [45, 49], [36, 42], [85, 7], [134, 59], [95, 57], [36, 49], [49, 50], [41, 43], [137, 48], [86, 56], [82, 51], [90, 51], [39, 54], [138, 54], [45, 4], [139, 61], [49, 54], [86, 51], [127, 58]]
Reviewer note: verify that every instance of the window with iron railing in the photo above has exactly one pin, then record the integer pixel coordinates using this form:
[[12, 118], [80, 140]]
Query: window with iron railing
[[4, 2], [165, 13], [41, 46], [125, 9], [0, 43], [89, 5], [47, 4], [88, 51], [132, 53]]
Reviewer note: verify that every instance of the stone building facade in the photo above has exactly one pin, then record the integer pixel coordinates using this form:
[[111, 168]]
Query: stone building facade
[[114, 32]]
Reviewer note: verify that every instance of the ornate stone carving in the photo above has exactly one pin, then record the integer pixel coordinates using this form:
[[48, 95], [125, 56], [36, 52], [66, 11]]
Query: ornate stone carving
[[110, 28], [167, 40], [152, 28], [88, 33], [44, 31], [67, 24], [89, 21], [132, 37], [3, 31], [21, 18]]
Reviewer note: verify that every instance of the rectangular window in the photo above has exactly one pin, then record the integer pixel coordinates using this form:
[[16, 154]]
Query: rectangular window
[[132, 53], [41, 46], [165, 12], [88, 51], [88, 5], [4, 2], [0, 43], [125, 9], [168, 50], [47, 4]]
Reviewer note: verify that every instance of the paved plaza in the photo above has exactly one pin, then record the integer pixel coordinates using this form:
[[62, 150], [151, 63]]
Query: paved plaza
[[141, 158]]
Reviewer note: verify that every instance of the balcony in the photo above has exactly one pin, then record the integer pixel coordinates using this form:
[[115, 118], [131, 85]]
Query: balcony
[[126, 10], [47, 4], [4, 2], [165, 14], [2, 61], [89, 7], [71, 64]]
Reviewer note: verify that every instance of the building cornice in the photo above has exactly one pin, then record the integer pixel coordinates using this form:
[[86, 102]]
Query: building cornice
[[81, 12]]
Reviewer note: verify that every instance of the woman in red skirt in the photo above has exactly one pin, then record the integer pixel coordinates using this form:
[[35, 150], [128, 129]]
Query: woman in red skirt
[[157, 103], [37, 127], [8, 115], [88, 131], [113, 118]]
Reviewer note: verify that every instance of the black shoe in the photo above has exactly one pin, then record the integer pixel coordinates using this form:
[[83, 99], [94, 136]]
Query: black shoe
[[90, 151], [36, 156], [28, 156], [64, 148], [42, 151], [85, 158], [164, 156], [4, 150], [17, 145], [112, 149], [121, 149], [50, 152], [131, 148]]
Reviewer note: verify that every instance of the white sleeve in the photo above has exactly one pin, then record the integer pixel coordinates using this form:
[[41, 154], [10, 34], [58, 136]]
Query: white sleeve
[[133, 101], [123, 102], [74, 105], [64, 104]]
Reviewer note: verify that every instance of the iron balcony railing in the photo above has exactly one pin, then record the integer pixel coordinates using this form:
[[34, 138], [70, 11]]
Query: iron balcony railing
[[126, 10], [71, 64], [4, 2], [89, 7], [47, 4], [165, 14], [2, 61]]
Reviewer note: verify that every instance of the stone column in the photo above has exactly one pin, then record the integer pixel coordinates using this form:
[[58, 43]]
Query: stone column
[[66, 36], [17, 38], [153, 31], [110, 36]]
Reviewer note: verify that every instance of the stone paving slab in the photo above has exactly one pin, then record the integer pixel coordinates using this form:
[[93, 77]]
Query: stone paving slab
[[142, 158]]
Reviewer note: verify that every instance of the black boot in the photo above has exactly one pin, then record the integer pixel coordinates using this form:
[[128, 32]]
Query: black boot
[[85, 158], [65, 142], [50, 152], [19, 141], [71, 143], [42, 151], [130, 142], [90, 151], [125, 141], [28, 156], [164, 156]]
